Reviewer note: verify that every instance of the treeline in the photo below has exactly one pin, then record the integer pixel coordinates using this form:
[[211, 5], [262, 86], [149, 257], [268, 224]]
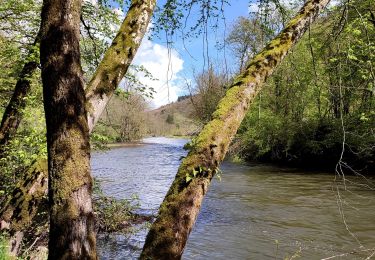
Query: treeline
[[317, 109]]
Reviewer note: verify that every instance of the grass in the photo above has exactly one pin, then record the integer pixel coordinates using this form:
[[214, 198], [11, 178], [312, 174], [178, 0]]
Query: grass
[[4, 252]]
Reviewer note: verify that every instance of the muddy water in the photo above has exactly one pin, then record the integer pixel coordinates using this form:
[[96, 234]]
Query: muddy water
[[254, 212]]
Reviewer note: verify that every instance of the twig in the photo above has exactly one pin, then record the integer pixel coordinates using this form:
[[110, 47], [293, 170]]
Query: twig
[[28, 249]]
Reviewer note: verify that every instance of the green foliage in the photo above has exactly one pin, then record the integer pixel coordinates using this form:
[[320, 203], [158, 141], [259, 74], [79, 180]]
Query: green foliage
[[99, 140], [200, 171], [190, 176], [245, 39], [113, 215], [26, 147], [134, 85], [20, 21], [323, 88], [29, 142], [10, 67], [4, 250], [18, 30], [99, 24]]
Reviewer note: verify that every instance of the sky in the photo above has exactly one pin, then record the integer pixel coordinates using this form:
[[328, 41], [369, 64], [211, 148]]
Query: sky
[[184, 59]]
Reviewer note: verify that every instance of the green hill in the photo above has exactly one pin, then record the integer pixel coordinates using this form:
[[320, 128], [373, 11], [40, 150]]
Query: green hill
[[175, 119]]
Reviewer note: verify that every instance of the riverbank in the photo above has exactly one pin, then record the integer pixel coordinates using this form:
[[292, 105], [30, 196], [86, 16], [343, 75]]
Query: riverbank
[[306, 163], [145, 140], [119, 145]]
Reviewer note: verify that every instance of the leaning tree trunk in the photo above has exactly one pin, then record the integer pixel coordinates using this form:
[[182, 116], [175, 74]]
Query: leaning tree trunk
[[117, 58], [178, 212], [13, 112], [72, 233], [23, 203]]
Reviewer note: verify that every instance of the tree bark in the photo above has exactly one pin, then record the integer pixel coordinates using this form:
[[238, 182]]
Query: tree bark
[[13, 113], [177, 214], [117, 58], [72, 234], [23, 203]]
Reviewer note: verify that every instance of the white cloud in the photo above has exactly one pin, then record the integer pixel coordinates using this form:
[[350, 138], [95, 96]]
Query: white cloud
[[333, 3], [119, 13], [164, 66], [93, 2], [254, 6]]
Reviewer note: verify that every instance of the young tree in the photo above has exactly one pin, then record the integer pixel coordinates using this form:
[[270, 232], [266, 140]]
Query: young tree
[[209, 89], [19, 20], [125, 117], [12, 114], [245, 39], [177, 214]]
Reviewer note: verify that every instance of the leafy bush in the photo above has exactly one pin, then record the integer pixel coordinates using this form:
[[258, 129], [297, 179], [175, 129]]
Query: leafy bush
[[114, 215]]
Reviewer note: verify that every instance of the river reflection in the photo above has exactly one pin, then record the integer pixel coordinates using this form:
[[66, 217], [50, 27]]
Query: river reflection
[[254, 212]]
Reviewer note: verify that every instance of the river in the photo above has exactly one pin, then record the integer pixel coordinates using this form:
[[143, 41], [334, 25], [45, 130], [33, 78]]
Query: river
[[253, 212]]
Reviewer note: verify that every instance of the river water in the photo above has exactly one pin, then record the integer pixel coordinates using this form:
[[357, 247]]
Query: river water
[[253, 212]]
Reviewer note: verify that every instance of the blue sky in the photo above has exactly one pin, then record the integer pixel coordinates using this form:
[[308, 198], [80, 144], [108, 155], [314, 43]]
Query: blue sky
[[183, 63], [194, 46]]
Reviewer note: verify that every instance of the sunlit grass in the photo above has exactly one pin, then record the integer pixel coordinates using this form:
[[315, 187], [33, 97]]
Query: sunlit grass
[[4, 253]]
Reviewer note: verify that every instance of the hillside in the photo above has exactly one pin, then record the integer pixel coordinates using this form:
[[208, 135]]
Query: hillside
[[175, 119]]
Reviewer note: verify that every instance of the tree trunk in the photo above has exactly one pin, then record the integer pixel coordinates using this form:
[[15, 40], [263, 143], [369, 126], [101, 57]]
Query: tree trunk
[[179, 210], [72, 234], [13, 113], [22, 205], [117, 58]]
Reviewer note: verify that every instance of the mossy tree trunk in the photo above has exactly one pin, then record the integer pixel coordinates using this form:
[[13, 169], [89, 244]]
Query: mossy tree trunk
[[177, 214], [72, 234], [117, 58], [22, 205], [13, 112]]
